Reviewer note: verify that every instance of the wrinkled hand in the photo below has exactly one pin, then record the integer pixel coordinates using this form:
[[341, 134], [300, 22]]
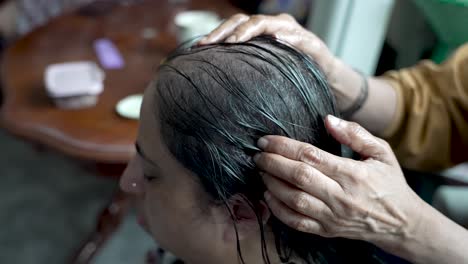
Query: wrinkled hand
[[241, 28], [317, 192], [345, 81]]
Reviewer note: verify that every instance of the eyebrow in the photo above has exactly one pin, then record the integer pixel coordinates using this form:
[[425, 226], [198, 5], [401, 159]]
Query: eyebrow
[[144, 157]]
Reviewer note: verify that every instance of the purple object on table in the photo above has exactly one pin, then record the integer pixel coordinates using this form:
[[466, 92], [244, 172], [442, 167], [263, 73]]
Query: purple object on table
[[108, 54]]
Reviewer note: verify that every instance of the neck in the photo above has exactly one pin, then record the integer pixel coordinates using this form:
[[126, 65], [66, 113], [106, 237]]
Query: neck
[[252, 250]]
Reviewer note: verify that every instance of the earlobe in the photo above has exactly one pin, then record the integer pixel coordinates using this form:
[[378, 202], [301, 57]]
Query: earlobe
[[245, 218]]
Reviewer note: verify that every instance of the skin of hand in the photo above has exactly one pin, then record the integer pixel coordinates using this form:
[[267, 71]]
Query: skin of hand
[[241, 28], [376, 113], [316, 192], [284, 27]]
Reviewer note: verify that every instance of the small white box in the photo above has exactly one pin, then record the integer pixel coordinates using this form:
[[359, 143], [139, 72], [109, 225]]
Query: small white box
[[74, 85]]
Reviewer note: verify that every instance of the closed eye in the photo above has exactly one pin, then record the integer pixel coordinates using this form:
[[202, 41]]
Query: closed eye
[[149, 178], [154, 166]]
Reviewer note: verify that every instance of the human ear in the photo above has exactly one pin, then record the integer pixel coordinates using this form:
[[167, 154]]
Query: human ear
[[245, 218]]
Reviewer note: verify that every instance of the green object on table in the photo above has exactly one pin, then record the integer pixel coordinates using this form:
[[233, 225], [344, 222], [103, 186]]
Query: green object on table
[[449, 20]]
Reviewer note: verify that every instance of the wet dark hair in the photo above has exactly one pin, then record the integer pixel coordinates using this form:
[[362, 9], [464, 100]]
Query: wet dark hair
[[215, 102]]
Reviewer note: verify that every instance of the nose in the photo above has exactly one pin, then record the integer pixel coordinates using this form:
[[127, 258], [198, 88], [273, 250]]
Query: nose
[[131, 180]]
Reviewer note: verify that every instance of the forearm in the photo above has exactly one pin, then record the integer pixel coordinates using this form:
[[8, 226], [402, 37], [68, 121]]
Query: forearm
[[436, 239], [378, 111]]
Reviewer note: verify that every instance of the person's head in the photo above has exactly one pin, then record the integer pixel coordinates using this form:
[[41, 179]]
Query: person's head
[[201, 194]]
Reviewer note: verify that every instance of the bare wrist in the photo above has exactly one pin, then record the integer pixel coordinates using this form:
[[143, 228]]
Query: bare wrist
[[433, 238], [413, 244], [403, 241], [345, 83]]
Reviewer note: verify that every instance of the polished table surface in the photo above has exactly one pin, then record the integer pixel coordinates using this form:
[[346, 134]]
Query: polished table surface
[[95, 134]]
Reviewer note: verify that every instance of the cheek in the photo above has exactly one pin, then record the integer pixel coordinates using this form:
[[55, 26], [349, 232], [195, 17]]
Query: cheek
[[170, 214], [179, 226], [163, 213]]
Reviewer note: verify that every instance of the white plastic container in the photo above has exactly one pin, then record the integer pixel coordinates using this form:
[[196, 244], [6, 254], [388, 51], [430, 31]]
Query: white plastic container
[[74, 85]]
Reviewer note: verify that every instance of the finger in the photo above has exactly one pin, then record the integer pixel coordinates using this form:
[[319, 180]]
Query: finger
[[287, 37], [256, 26], [314, 46], [296, 199], [331, 165], [291, 218], [224, 30], [298, 174], [359, 140]]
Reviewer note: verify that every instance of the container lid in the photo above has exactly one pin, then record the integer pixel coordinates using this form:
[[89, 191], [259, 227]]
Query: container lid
[[196, 18], [197, 21], [74, 79], [130, 106]]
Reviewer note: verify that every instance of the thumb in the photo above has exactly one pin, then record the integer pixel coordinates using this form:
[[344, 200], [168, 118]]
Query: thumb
[[359, 139]]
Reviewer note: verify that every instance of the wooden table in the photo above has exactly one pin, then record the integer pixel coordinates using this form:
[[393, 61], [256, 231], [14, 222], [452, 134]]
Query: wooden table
[[95, 135]]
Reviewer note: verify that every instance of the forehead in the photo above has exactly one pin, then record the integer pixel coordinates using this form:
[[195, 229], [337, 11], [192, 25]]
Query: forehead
[[149, 139], [173, 177]]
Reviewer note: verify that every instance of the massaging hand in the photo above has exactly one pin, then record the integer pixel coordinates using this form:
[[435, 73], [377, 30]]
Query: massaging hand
[[345, 82], [317, 192], [241, 28]]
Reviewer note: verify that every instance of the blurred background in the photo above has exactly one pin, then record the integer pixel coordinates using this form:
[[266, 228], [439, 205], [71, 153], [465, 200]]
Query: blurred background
[[59, 168]]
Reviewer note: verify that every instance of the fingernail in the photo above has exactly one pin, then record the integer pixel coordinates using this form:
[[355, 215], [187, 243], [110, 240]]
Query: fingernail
[[231, 39], [262, 143], [256, 157], [333, 120], [267, 195]]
